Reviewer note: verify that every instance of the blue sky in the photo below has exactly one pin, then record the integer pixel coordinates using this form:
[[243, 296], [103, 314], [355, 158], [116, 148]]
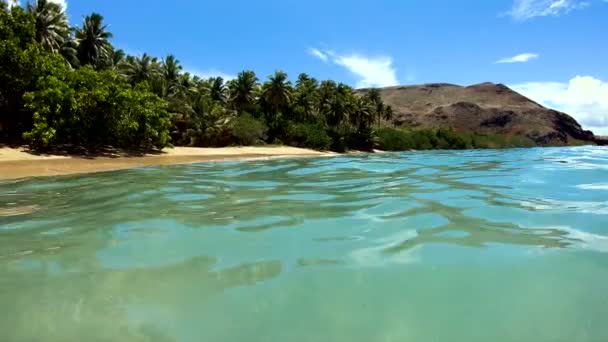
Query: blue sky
[[554, 51]]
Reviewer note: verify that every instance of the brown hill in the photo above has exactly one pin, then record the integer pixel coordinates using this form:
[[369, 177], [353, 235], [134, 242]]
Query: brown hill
[[485, 108]]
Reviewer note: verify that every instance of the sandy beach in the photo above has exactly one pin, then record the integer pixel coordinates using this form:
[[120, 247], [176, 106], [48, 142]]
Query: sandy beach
[[16, 163]]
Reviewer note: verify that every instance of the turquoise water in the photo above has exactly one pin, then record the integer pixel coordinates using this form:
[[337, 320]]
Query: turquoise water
[[425, 246]]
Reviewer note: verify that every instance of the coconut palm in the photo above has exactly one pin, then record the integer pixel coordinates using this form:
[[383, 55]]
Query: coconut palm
[[361, 115], [140, 69], [69, 51], [52, 27], [171, 69], [217, 89], [116, 58], [389, 113], [93, 40], [374, 97], [277, 93], [304, 97], [242, 90]]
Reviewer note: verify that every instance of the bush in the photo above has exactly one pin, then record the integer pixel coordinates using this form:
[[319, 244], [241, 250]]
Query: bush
[[448, 139], [361, 139], [248, 130], [91, 109], [390, 139], [308, 135]]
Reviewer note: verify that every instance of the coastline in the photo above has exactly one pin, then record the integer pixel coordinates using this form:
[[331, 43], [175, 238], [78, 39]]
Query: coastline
[[17, 163]]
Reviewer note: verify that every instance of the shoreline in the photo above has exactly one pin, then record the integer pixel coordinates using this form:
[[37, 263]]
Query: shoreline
[[17, 163]]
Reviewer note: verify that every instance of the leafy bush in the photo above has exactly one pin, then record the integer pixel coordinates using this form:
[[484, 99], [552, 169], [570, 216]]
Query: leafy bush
[[308, 135], [248, 130], [90, 109], [390, 139], [448, 139]]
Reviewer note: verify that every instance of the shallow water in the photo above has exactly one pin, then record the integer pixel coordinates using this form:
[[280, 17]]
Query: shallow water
[[428, 246]]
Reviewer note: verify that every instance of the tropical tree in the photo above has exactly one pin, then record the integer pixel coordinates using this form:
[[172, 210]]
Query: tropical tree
[[241, 91], [305, 97], [389, 113], [171, 69], [277, 94], [93, 41], [374, 97], [52, 27], [361, 115], [217, 90], [140, 69]]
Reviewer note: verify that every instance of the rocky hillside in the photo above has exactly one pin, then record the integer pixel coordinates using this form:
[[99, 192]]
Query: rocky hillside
[[485, 108]]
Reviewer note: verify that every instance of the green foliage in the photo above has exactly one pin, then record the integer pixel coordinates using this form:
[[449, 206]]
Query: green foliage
[[308, 135], [90, 108], [392, 139], [22, 62], [247, 130]]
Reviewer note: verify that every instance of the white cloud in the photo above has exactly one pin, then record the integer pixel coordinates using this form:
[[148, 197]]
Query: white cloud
[[527, 9], [210, 73], [521, 58], [370, 71], [585, 98], [373, 72], [62, 3], [317, 53]]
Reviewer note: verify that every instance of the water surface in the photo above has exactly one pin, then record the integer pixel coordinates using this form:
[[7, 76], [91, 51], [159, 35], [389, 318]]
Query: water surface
[[428, 246]]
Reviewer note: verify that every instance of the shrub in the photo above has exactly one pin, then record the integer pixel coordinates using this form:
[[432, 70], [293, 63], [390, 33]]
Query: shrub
[[308, 135], [391, 139], [248, 130], [90, 109]]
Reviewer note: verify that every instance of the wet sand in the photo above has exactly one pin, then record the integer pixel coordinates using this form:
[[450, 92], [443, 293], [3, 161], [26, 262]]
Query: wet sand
[[16, 163]]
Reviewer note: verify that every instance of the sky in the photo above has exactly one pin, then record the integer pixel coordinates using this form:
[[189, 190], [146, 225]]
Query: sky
[[553, 51]]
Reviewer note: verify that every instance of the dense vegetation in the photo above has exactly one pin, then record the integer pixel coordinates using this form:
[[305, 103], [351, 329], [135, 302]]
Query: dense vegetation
[[62, 85], [68, 86], [394, 139]]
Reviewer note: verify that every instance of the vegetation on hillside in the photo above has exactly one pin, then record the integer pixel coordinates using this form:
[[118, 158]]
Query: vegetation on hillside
[[63, 85]]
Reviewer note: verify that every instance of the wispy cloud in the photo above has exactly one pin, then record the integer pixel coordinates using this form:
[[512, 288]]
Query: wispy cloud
[[377, 71], [527, 9], [521, 58], [584, 97], [210, 73], [317, 53]]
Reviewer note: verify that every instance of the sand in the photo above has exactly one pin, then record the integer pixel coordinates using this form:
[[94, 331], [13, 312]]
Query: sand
[[16, 163]]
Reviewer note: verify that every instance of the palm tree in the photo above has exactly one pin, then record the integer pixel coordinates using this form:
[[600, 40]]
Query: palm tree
[[362, 113], [116, 58], [277, 93], [241, 91], [69, 51], [140, 69], [93, 40], [52, 27], [217, 89], [374, 97], [389, 113], [305, 96], [171, 69]]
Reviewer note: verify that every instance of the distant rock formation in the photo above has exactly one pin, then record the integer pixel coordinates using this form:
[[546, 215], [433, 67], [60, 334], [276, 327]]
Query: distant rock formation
[[485, 108]]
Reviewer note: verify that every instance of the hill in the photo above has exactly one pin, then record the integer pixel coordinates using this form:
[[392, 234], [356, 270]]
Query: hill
[[485, 108]]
